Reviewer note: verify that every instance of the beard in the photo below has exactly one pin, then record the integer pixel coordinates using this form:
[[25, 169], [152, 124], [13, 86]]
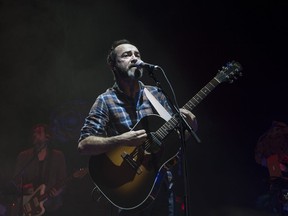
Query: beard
[[132, 73], [135, 73]]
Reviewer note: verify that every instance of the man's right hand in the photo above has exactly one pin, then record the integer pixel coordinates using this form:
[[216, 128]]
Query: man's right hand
[[133, 138]]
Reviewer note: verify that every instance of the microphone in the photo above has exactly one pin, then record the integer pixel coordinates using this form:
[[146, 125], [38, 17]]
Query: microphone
[[147, 66]]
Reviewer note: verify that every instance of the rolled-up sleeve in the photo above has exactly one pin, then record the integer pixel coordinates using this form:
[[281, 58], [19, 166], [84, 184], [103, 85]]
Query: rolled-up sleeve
[[96, 122]]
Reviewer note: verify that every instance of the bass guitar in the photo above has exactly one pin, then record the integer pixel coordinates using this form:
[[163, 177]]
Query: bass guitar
[[129, 177], [33, 205]]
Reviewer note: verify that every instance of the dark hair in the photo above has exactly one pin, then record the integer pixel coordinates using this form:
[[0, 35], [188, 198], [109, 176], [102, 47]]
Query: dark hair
[[111, 58]]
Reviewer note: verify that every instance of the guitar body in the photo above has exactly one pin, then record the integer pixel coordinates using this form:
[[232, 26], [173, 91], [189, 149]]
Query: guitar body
[[128, 176], [33, 205]]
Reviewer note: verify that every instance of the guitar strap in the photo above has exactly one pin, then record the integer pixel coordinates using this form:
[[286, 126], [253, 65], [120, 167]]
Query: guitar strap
[[159, 108], [165, 115]]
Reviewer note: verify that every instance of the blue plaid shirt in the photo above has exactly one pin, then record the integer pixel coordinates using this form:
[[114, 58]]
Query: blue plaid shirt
[[114, 113]]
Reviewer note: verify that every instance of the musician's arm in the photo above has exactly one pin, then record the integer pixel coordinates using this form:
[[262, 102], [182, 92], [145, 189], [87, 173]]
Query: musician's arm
[[94, 145], [54, 192]]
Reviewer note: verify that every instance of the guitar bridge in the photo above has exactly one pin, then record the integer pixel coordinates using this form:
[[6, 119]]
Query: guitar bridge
[[131, 162]]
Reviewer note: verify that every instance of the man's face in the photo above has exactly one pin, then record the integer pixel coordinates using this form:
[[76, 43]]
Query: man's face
[[126, 56], [39, 137]]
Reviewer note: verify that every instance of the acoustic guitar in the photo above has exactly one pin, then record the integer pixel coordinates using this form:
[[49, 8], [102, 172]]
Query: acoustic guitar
[[129, 177]]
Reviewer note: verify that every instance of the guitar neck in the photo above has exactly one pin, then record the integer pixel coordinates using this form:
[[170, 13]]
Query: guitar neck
[[170, 125], [193, 102], [57, 187]]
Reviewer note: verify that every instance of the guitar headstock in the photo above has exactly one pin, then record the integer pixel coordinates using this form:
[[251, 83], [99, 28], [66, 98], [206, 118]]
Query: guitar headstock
[[230, 72], [80, 173]]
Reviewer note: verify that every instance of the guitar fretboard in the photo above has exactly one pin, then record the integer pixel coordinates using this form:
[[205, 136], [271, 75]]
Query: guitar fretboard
[[170, 125]]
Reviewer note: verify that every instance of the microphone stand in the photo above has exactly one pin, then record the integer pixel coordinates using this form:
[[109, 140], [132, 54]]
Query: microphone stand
[[183, 126]]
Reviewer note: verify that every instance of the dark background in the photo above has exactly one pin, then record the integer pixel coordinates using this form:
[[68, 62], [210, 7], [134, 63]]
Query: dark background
[[53, 65]]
